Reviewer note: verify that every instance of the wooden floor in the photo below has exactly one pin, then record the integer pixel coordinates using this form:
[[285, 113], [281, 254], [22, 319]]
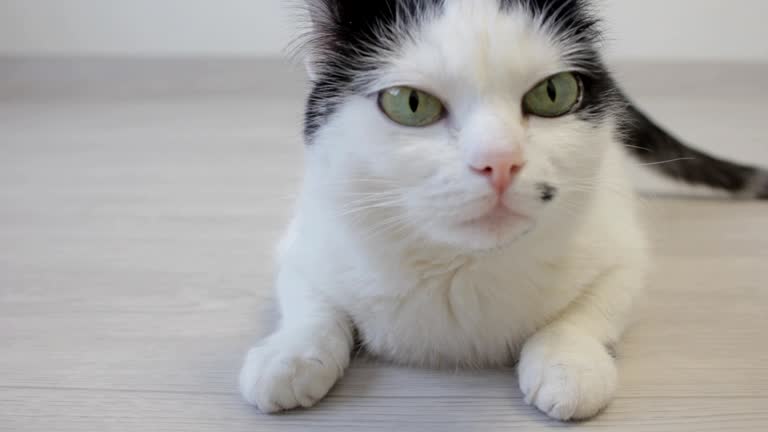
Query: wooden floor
[[139, 204]]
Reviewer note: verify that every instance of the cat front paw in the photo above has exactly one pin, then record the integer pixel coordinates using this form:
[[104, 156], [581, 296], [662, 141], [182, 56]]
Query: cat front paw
[[276, 378], [567, 376]]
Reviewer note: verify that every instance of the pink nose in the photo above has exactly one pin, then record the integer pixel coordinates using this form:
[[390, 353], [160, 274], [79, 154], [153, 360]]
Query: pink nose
[[501, 167]]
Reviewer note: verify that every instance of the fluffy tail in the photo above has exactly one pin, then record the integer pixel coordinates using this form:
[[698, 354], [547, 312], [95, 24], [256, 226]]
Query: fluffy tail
[[669, 156]]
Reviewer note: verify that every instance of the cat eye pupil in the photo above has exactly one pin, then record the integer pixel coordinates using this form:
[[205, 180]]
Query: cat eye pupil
[[551, 90], [413, 101]]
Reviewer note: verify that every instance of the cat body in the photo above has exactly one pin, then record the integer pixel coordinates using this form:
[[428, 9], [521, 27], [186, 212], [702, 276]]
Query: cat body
[[465, 201], [425, 304]]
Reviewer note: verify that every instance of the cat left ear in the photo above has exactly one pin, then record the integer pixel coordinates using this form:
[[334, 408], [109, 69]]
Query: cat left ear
[[309, 66], [320, 11], [320, 21], [334, 20]]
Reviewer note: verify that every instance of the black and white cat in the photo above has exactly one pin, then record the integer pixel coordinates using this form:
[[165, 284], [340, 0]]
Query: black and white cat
[[465, 201]]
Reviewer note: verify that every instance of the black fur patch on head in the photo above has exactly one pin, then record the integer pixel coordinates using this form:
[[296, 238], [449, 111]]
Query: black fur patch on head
[[345, 33], [601, 97]]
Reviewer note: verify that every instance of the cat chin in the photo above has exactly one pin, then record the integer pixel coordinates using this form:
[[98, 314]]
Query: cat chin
[[484, 239]]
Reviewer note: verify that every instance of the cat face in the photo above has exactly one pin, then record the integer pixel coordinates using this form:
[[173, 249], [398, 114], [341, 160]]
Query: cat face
[[470, 122]]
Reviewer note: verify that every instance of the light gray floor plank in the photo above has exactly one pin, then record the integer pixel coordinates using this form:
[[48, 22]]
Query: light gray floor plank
[[138, 214]]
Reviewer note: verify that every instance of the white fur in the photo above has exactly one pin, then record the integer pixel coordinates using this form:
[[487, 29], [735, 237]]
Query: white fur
[[384, 239]]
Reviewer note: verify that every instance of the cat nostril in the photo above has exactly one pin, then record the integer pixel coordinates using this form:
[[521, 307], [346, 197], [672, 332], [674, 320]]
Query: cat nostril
[[490, 171], [487, 171]]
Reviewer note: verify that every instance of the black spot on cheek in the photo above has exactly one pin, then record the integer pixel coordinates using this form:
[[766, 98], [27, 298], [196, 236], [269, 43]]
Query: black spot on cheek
[[548, 192]]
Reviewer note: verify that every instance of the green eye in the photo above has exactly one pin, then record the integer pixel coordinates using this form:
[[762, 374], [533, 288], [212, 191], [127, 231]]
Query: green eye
[[410, 107], [555, 97]]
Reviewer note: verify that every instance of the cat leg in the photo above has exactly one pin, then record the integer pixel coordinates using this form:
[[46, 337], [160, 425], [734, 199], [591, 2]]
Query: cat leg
[[566, 369], [298, 364]]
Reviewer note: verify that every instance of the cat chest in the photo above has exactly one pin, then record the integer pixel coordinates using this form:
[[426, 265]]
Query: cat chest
[[469, 317]]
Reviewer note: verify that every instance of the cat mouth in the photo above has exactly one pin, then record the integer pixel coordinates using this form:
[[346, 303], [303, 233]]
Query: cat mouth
[[498, 217]]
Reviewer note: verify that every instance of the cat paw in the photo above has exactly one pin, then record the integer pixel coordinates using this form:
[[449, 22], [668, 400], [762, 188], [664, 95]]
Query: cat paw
[[567, 376], [276, 378]]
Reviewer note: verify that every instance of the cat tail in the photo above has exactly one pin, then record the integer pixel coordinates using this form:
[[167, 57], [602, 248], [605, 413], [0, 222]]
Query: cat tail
[[666, 154]]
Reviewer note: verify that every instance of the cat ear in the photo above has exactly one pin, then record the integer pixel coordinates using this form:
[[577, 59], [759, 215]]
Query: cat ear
[[309, 66], [320, 26], [336, 24], [321, 11]]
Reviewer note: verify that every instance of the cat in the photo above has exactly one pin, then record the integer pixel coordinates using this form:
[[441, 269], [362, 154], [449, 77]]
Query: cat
[[465, 201]]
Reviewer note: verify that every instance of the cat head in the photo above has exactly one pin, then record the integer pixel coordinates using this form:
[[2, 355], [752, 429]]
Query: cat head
[[469, 122]]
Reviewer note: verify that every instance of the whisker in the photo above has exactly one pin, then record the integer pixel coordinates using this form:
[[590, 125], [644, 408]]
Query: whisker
[[668, 161], [638, 148], [389, 225], [382, 205], [360, 180]]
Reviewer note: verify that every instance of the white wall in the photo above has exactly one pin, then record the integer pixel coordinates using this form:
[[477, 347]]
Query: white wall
[[688, 29], [144, 27], [640, 29]]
